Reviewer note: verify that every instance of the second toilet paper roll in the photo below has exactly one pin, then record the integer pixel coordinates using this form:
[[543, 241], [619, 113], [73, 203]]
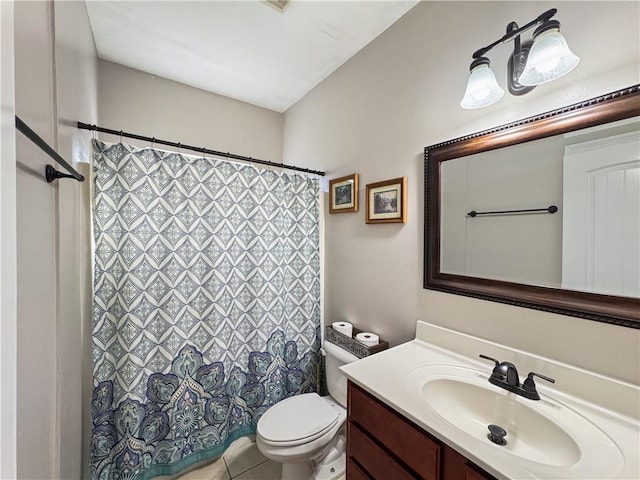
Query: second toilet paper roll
[[367, 338], [344, 328]]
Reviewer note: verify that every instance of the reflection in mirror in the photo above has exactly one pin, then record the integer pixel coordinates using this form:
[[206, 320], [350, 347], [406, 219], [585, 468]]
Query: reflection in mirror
[[590, 243], [578, 252]]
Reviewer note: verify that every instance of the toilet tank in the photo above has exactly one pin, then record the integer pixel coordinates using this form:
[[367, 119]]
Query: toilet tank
[[336, 381]]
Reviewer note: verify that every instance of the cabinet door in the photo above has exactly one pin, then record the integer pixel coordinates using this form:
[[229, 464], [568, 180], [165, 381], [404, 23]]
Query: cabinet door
[[377, 463], [408, 443]]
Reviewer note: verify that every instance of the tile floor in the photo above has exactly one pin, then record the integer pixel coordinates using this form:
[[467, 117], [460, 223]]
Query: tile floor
[[241, 461]]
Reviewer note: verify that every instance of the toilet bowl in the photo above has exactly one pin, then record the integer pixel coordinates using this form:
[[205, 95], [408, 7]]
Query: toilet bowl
[[306, 433]]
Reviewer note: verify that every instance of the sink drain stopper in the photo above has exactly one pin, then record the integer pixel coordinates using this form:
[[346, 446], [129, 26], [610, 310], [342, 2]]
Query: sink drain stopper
[[496, 434]]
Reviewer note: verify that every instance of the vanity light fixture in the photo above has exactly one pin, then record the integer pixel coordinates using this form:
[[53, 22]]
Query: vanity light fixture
[[532, 63]]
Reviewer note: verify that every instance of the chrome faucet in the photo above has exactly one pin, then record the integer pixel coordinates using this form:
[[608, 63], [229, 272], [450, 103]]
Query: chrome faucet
[[505, 375]]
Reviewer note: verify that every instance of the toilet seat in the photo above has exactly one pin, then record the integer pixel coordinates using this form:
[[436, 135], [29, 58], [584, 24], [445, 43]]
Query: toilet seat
[[297, 420]]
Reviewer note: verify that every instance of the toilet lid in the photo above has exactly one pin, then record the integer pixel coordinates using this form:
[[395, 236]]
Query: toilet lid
[[300, 417]]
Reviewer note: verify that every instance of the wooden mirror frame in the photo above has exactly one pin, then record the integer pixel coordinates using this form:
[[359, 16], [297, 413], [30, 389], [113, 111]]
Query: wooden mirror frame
[[612, 309]]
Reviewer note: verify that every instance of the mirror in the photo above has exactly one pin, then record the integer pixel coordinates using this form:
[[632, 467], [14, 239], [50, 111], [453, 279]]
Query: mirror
[[543, 212]]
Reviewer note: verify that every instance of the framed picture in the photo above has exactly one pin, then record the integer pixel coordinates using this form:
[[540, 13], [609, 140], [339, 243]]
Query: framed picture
[[343, 194], [387, 201]]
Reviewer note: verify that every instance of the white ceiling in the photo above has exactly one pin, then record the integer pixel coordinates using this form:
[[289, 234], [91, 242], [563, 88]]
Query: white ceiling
[[243, 49]]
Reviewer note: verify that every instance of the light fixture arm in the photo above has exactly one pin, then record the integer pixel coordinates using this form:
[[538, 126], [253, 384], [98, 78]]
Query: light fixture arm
[[513, 31], [512, 27]]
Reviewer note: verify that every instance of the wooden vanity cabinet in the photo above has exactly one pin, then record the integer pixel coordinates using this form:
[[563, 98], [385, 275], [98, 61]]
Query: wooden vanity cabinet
[[383, 445]]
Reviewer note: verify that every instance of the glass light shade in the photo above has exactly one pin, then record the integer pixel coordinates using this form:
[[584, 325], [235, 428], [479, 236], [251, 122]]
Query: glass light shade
[[549, 58], [482, 88]]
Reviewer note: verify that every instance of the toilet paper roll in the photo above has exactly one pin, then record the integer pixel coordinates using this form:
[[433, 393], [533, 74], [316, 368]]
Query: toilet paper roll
[[344, 328], [367, 338]]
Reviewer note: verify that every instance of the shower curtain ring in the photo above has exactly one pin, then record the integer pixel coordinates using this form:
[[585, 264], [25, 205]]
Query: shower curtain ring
[[120, 136], [179, 144], [153, 141], [203, 151]]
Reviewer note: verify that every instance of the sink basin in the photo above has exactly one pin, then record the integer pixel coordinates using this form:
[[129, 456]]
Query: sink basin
[[546, 432], [471, 408]]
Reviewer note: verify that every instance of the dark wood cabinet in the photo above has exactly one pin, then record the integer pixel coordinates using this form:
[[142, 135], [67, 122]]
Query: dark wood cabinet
[[383, 445]]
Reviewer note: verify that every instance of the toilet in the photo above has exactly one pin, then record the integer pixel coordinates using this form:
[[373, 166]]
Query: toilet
[[306, 433]]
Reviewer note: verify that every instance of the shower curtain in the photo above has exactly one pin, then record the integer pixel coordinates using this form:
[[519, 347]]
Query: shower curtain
[[206, 305]]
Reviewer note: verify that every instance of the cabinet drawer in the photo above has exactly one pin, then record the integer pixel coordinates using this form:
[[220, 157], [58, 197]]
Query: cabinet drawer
[[403, 439], [354, 472], [378, 463]]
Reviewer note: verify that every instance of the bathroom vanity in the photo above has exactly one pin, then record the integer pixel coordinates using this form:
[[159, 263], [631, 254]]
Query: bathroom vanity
[[422, 410], [387, 445]]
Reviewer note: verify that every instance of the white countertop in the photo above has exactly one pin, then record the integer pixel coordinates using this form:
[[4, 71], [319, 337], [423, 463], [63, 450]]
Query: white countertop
[[612, 406]]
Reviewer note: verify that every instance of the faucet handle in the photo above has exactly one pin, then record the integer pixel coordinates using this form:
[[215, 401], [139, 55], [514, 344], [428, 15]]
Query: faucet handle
[[489, 358], [530, 385]]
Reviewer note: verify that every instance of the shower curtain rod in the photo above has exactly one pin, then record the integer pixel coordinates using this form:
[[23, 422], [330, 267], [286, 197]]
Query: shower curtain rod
[[203, 150]]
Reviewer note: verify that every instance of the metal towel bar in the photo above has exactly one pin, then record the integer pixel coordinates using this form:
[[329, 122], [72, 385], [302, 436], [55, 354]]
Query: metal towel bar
[[549, 209], [51, 173]]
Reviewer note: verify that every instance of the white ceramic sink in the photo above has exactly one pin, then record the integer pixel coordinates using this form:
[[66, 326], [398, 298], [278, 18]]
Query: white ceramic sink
[[545, 432]]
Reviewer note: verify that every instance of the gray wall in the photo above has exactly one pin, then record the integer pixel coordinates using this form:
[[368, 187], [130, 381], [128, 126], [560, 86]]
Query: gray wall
[[142, 103], [56, 80], [401, 93], [517, 248]]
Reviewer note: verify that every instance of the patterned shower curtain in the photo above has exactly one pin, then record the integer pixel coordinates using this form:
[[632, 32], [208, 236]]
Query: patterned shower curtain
[[206, 305]]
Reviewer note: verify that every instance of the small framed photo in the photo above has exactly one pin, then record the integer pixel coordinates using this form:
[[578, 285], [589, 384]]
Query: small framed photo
[[387, 201], [343, 194]]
